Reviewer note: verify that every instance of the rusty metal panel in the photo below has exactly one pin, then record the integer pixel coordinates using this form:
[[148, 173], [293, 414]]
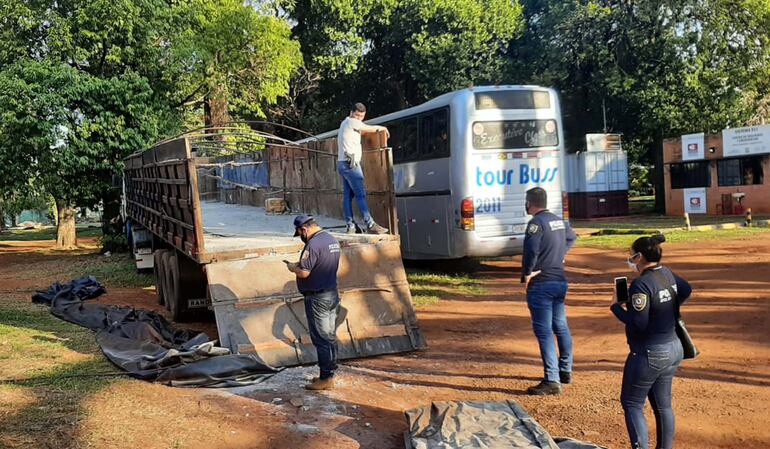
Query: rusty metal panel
[[162, 194], [259, 309]]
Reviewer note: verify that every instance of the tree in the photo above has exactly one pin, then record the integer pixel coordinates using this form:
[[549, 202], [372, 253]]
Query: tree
[[230, 58], [661, 68], [87, 82], [67, 131], [396, 54]]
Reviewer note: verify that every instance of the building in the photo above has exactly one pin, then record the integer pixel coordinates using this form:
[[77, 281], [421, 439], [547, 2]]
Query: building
[[718, 174]]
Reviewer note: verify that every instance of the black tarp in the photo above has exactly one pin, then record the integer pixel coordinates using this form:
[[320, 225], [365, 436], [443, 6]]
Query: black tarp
[[480, 425], [146, 345]]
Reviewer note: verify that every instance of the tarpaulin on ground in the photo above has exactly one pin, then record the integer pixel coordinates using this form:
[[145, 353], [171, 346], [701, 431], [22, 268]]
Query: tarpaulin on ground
[[480, 424], [146, 345]]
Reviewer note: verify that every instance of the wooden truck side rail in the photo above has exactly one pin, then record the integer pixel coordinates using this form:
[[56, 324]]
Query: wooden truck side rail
[[162, 195]]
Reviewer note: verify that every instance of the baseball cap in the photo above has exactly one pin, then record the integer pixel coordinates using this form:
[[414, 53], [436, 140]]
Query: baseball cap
[[299, 220]]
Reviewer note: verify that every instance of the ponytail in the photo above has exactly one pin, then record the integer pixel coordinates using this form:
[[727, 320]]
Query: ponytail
[[649, 247]]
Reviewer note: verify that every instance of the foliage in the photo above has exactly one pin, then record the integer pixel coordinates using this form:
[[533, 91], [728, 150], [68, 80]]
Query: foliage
[[394, 54], [67, 130], [230, 57], [661, 68]]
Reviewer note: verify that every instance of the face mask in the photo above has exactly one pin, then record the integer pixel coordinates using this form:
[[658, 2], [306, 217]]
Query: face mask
[[526, 208], [632, 265], [303, 237]]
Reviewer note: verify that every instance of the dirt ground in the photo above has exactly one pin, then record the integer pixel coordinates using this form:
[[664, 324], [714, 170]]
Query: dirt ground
[[481, 348]]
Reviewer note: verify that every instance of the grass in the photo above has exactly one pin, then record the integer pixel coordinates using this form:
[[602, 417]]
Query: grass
[[46, 233], [429, 288], [47, 365], [118, 270], [623, 241]]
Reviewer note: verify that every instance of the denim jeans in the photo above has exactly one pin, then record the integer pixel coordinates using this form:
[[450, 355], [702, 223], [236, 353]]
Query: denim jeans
[[546, 306], [353, 187], [648, 374], [321, 310]]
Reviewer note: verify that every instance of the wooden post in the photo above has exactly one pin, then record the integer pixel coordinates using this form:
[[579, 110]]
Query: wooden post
[[748, 217], [687, 221]]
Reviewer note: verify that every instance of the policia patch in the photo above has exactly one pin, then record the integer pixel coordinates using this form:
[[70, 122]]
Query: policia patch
[[639, 301], [532, 229]]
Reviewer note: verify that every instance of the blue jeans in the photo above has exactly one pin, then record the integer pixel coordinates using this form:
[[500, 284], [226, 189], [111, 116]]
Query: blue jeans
[[321, 310], [353, 187], [546, 306], [648, 374]]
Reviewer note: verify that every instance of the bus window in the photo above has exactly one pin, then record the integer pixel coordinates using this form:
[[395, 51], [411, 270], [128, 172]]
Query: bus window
[[396, 140], [421, 137], [427, 143], [411, 151], [513, 99]]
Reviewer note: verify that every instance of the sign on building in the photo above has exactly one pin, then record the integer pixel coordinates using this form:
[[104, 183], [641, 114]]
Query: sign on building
[[695, 200], [692, 146], [603, 142], [746, 141]]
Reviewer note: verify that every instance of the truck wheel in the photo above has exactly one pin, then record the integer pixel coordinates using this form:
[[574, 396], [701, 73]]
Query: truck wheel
[[158, 270], [165, 261], [178, 304]]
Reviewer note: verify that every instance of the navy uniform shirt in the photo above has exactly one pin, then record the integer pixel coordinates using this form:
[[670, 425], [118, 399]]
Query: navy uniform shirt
[[546, 242], [321, 257], [650, 316]]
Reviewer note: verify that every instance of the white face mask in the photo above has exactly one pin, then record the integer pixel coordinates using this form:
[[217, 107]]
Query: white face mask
[[632, 265]]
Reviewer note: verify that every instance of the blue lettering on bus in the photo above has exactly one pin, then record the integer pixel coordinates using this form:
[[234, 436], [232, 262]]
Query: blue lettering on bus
[[506, 177]]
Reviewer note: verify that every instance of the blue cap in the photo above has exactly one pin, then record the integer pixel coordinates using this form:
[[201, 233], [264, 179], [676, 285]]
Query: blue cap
[[299, 220]]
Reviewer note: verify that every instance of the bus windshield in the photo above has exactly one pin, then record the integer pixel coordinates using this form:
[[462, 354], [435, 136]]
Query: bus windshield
[[514, 134]]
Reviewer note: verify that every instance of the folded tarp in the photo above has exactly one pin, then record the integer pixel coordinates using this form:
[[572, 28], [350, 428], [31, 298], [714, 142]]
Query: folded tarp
[[480, 425], [146, 345]]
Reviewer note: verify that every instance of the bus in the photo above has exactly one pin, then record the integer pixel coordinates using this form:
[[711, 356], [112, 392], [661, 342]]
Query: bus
[[462, 164]]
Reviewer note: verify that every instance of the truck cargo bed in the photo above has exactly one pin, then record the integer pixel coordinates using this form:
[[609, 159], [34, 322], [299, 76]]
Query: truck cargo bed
[[233, 230]]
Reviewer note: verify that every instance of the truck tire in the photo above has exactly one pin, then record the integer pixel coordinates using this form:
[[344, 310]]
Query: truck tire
[[165, 261], [177, 303], [159, 276]]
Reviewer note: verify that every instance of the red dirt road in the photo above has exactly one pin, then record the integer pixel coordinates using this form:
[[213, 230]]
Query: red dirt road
[[482, 348]]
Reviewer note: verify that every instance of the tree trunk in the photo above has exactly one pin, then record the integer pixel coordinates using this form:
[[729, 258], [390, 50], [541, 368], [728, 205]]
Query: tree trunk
[[215, 107], [2, 221], [13, 221], [66, 237]]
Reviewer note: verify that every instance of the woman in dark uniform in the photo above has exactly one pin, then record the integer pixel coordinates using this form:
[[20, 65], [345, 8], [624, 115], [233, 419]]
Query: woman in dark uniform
[[655, 350]]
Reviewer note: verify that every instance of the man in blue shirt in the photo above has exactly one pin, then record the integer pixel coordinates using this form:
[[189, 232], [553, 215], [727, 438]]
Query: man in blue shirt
[[547, 240], [317, 281]]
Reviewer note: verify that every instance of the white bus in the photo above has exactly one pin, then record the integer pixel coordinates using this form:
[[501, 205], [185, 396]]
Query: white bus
[[462, 164]]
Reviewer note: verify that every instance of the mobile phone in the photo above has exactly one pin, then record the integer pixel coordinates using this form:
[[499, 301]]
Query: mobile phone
[[621, 289]]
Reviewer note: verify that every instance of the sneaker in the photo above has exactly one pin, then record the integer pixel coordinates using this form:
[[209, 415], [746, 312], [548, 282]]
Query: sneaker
[[351, 229], [545, 388], [374, 228], [320, 384], [565, 377]]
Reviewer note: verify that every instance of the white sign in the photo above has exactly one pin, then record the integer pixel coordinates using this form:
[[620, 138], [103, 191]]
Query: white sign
[[695, 201], [748, 140], [692, 146]]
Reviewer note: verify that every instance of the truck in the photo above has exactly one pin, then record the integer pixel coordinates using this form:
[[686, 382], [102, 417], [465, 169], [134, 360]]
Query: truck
[[210, 212]]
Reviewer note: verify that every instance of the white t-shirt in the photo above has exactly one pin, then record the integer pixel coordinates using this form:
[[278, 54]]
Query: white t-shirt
[[349, 139]]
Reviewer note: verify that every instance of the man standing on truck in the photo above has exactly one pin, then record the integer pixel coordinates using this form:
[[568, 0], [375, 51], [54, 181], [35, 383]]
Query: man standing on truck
[[547, 240], [349, 167], [317, 281]]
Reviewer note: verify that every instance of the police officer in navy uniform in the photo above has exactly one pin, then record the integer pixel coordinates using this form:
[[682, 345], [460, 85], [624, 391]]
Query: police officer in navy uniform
[[317, 280], [547, 240], [655, 350]]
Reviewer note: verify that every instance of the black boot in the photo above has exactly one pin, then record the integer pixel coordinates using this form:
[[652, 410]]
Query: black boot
[[545, 388], [565, 377]]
